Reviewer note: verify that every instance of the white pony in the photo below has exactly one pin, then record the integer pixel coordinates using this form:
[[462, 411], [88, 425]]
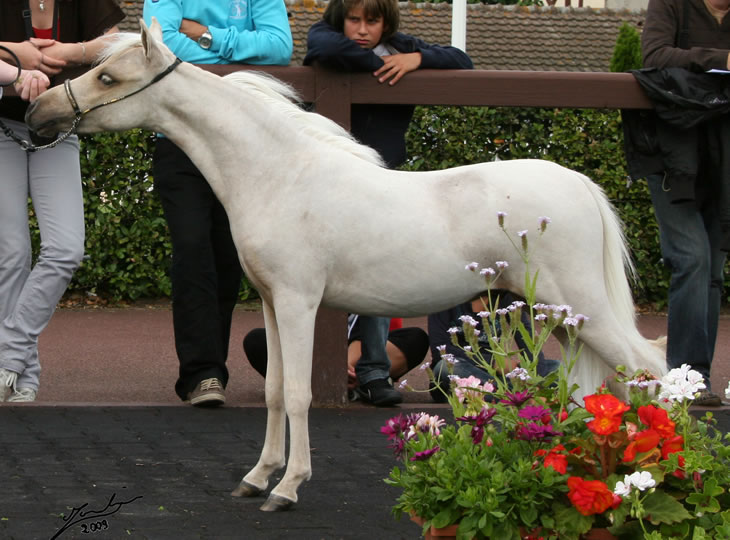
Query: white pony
[[318, 220]]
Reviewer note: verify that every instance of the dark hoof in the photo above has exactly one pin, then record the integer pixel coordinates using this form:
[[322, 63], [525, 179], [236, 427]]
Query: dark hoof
[[245, 489], [276, 504]]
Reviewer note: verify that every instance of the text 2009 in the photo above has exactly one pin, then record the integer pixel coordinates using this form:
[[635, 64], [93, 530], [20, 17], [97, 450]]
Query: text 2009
[[95, 527]]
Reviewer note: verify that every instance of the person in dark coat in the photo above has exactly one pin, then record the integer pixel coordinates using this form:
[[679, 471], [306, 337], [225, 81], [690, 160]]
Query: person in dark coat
[[693, 35]]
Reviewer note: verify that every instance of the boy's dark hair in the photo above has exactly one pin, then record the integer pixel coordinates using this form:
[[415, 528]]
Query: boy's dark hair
[[337, 10]]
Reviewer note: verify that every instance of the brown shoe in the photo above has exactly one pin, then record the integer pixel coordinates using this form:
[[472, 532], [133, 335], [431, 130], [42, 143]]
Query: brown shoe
[[208, 393], [707, 399]]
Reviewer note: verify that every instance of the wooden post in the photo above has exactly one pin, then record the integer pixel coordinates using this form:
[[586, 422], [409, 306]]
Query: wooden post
[[329, 363]]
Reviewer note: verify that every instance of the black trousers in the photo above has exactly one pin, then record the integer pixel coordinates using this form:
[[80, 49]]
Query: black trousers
[[206, 273]]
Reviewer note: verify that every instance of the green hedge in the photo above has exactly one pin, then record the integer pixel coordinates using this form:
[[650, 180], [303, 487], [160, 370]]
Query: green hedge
[[128, 247]]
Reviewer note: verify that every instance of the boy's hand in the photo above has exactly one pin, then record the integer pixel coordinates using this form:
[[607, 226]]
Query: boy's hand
[[397, 65]]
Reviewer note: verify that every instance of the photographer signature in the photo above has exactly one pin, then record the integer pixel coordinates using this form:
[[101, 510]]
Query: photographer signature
[[80, 514]]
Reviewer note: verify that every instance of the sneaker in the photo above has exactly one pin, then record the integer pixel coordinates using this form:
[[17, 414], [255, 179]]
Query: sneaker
[[7, 383], [380, 393], [707, 398], [22, 395], [208, 393]]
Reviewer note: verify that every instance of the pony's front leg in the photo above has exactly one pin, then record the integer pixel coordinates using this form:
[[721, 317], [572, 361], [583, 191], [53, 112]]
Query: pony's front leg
[[297, 341], [273, 455]]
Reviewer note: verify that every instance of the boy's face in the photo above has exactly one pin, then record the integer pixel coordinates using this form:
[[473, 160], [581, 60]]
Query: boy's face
[[365, 31]]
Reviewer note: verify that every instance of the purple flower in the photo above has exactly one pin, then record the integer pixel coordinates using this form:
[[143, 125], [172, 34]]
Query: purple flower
[[397, 429], [516, 398], [533, 431], [533, 412], [480, 420], [424, 455], [543, 221]]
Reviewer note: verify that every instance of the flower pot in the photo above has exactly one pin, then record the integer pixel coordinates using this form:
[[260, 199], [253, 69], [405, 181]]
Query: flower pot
[[598, 534], [445, 533], [440, 533]]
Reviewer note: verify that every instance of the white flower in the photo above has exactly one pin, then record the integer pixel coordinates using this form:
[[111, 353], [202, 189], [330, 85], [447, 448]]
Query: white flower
[[642, 480], [501, 264], [472, 266], [622, 489], [681, 383], [519, 373], [727, 391], [467, 319], [429, 424]]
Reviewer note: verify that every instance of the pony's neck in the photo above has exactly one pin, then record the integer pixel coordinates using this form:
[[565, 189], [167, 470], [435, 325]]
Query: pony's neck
[[218, 128]]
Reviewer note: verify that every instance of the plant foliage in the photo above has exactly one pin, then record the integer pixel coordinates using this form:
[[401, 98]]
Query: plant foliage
[[627, 52]]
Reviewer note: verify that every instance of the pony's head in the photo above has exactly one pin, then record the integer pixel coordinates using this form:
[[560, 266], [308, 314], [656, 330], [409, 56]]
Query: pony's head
[[109, 96]]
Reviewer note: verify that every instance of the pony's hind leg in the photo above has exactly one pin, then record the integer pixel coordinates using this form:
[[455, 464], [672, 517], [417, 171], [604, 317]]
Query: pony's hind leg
[[297, 340], [273, 453]]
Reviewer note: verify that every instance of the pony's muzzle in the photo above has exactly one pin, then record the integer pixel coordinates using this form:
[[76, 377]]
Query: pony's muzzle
[[39, 132]]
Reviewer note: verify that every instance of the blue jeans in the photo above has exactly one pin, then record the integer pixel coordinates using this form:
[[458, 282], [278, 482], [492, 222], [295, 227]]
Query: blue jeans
[[374, 362], [690, 238]]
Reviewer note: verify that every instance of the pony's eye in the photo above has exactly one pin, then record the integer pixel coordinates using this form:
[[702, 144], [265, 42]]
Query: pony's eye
[[106, 79]]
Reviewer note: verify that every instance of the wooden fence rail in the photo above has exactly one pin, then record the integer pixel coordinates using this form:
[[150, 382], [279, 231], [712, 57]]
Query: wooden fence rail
[[333, 93]]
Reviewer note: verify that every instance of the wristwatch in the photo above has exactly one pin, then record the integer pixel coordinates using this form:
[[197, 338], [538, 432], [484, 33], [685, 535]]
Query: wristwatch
[[205, 40]]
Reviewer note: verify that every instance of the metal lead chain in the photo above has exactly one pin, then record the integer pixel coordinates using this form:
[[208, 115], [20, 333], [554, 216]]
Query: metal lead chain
[[30, 147]]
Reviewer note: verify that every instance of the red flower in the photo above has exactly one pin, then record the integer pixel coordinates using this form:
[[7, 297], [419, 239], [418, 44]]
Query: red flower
[[607, 411], [554, 459], [658, 420], [605, 405], [589, 496], [670, 446], [643, 442], [604, 425]]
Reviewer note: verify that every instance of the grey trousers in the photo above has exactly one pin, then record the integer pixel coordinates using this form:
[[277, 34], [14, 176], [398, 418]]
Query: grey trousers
[[29, 292]]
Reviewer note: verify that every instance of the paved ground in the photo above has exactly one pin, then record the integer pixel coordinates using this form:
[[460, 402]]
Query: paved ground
[[127, 355], [109, 448]]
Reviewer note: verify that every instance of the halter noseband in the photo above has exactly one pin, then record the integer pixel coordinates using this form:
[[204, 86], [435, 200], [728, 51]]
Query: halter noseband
[[78, 113]]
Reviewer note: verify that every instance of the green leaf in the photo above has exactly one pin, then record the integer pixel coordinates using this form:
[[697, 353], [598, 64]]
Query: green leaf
[[659, 507]]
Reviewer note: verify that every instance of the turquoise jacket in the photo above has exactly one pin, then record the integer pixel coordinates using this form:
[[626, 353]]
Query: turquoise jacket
[[244, 31]]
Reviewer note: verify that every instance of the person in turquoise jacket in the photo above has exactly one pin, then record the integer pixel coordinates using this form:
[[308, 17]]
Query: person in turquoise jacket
[[206, 273], [224, 31]]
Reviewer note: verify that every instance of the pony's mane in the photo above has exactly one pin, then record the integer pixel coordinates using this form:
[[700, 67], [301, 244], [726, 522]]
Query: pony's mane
[[116, 43], [277, 94], [283, 97]]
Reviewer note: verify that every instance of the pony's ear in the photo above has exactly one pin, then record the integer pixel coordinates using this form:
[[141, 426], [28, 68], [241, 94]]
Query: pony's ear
[[150, 35]]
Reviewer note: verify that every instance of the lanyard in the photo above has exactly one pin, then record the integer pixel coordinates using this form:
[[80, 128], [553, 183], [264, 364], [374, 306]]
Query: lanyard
[[29, 23]]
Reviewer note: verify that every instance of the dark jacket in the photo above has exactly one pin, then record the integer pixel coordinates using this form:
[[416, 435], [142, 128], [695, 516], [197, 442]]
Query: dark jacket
[[686, 135], [79, 20], [382, 127]]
